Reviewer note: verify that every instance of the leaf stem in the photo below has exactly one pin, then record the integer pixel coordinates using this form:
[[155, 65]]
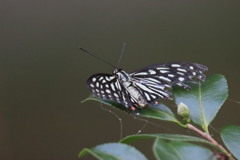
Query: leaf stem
[[204, 125], [209, 138]]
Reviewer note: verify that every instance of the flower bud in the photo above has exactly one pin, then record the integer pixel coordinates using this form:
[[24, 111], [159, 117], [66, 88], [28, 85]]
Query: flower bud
[[183, 112]]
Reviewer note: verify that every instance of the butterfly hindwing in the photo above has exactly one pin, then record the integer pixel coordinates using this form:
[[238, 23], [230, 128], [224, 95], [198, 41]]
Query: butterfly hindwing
[[107, 86]]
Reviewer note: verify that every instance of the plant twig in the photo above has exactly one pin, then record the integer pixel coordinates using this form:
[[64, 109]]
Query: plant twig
[[209, 138]]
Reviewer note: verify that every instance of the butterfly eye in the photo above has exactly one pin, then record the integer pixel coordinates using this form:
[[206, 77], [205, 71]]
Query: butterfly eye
[[115, 71]]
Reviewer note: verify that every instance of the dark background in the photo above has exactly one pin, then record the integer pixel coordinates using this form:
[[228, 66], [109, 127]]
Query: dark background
[[43, 73]]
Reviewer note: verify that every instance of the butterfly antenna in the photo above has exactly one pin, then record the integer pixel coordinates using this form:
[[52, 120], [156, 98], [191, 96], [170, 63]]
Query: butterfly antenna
[[121, 54], [98, 58]]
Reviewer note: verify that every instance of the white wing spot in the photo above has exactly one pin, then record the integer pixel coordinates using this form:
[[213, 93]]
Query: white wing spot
[[148, 98], [150, 79], [194, 73], [116, 95], [191, 67], [104, 81], [162, 68], [97, 84], [180, 73], [94, 79], [112, 86], [100, 78], [141, 73], [175, 65], [109, 78], [163, 71], [180, 84], [152, 71], [181, 79], [118, 86], [164, 78], [108, 91], [153, 96], [102, 92], [101, 86], [182, 70], [168, 86], [132, 100], [171, 75], [91, 85], [107, 86], [97, 90]]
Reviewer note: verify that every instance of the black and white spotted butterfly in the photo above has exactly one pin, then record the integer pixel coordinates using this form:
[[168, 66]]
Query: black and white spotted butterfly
[[146, 85]]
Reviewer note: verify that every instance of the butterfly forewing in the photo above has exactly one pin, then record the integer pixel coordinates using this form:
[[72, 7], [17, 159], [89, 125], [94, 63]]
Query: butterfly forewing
[[169, 74], [156, 80]]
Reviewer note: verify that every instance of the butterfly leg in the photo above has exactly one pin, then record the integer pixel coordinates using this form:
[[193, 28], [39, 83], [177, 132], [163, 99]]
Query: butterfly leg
[[134, 109]]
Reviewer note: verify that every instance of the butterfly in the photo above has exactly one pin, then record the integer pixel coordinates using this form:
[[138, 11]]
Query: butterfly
[[137, 89]]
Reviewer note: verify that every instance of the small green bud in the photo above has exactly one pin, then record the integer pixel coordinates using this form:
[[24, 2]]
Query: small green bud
[[183, 112]]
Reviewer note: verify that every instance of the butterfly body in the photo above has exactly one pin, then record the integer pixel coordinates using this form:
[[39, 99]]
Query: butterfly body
[[129, 84], [137, 89]]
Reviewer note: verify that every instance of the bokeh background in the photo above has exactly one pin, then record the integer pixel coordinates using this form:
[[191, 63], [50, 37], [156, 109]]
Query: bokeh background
[[43, 73]]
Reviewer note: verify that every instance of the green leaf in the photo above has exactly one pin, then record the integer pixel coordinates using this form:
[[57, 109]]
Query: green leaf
[[171, 150], [170, 137], [114, 151], [204, 100], [231, 138], [159, 111]]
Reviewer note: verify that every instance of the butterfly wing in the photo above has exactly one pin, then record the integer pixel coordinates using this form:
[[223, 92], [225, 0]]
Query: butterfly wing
[[107, 86], [155, 81]]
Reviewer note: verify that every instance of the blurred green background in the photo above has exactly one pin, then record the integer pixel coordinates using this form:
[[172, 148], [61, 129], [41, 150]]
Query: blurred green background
[[43, 73]]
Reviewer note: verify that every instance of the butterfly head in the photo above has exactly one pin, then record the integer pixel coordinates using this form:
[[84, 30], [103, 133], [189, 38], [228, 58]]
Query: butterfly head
[[121, 75], [115, 71]]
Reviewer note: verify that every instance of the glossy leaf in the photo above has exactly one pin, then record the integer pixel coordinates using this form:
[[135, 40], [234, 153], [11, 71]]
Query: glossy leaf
[[231, 138], [159, 111], [114, 151], [204, 100], [171, 150], [170, 137]]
